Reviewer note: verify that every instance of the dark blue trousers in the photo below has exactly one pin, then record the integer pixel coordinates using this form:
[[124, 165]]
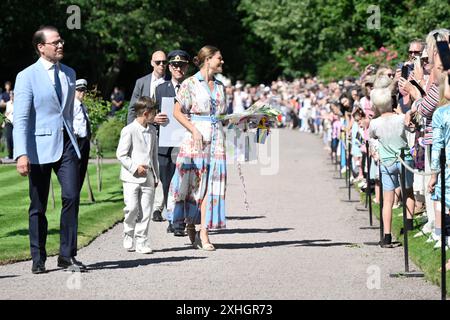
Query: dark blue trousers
[[67, 171]]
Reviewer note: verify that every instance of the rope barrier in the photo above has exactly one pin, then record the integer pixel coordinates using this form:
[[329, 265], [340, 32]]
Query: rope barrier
[[408, 167]]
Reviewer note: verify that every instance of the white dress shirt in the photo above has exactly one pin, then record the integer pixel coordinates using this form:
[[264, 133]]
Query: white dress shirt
[[9, 111], [154, 83], [175, 84], [51, 73], [79, 121]]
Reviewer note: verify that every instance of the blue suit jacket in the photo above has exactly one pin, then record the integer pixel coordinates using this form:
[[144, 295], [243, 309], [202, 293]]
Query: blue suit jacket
[[39, 117]]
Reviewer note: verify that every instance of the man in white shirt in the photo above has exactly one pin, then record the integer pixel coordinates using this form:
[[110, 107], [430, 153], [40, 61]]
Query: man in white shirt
[[82, 127]]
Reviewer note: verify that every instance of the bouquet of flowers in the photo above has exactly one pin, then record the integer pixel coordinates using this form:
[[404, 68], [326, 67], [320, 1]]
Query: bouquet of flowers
[[253, 115], [260, 116]]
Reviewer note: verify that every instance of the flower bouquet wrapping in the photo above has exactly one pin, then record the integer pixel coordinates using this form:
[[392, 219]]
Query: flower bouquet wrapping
[[260, 116]]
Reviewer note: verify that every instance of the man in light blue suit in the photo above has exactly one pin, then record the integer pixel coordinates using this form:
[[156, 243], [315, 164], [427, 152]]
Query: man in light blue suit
[[44, 141]]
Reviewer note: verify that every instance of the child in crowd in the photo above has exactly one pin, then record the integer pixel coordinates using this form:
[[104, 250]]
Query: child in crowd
[[138, 153], [389, 129]]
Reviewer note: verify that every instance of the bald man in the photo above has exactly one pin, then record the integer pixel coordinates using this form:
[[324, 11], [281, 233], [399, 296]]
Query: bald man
[[146, 86]]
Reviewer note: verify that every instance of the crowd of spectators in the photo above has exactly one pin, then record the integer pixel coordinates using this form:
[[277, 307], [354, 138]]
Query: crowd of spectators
[[393, 109]]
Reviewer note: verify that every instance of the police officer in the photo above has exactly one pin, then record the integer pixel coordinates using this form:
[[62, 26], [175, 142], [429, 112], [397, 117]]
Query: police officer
[[178, 66], [82, 127]]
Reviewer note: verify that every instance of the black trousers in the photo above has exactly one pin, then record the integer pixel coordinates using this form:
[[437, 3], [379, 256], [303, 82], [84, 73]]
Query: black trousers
[[166, 171], [67, 171], [9, 139], [84, 145]]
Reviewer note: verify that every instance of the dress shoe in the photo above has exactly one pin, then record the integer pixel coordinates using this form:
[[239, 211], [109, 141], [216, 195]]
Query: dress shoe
[[157, 216], [170, 228], [38, 267], [71, 264], [179, 233]]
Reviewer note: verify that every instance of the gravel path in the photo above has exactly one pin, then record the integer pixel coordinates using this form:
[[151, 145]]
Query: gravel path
[[298, 241]]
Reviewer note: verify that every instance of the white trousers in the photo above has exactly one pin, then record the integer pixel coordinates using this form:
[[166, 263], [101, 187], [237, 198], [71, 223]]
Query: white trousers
[[159, 198], [138, 200]]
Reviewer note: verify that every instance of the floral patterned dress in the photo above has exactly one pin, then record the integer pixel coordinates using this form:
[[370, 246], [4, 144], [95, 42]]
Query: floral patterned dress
[[200, 171]]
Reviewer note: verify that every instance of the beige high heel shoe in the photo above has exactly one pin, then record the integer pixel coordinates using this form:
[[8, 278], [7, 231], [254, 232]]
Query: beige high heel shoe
[[202, 246]]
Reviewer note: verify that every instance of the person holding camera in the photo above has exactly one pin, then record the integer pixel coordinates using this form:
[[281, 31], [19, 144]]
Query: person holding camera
[[426, 106]]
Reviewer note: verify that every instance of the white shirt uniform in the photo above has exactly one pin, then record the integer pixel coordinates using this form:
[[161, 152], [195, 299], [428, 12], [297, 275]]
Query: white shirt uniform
[[79, 121]]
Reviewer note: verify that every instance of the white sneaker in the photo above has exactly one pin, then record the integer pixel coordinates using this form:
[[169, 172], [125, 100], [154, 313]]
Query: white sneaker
[[419, 234], [127, 242], [433, 237], [143, 247], [344, 170], [427, 228]]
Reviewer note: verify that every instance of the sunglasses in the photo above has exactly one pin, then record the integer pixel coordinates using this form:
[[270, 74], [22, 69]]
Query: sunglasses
[[415, 52], [178, 64], [158, 62], [391, 75]]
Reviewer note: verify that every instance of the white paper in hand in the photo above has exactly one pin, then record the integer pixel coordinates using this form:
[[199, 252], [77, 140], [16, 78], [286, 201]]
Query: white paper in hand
[[172, 134]]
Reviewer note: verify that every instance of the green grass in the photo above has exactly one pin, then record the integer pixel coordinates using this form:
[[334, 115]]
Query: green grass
[[94, 218], [421, 253]]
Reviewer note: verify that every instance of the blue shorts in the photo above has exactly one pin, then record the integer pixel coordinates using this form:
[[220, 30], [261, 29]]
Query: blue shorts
[[390, 176]]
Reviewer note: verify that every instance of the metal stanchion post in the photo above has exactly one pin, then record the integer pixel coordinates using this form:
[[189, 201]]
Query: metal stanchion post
[[443, 228], [349, 167], [349, 173], [381, 203], [405, 227], [367, 175], [369, 186], [407, 273]]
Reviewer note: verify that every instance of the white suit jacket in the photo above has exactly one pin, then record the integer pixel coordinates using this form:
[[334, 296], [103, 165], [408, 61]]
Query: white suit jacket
[[133, 151]]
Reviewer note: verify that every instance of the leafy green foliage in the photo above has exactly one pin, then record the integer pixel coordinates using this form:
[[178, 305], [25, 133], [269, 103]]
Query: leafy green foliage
[[98, 110], [353, 62], [259, 39], [108, 135]]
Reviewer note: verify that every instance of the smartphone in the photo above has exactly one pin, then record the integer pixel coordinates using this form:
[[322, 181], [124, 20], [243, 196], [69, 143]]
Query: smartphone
[[444, 54], [415, 84], [405, 71]]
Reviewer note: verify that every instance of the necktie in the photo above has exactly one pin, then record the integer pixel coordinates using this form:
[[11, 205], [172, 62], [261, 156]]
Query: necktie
[[88, 124], [177, 87], [57, 83]]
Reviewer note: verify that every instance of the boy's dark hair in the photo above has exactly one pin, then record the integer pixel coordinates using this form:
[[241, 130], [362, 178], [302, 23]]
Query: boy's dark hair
[[144, 104]]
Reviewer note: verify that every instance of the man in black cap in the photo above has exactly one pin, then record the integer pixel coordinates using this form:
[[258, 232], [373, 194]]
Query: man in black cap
[[178, 66], [82, 127]]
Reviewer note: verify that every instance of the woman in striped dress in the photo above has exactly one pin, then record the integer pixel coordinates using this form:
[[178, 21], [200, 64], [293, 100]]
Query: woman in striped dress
[[197, 190]]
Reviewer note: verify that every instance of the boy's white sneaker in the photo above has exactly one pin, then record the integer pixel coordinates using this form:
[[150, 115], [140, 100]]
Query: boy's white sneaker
[[127, 242], [143, 247]]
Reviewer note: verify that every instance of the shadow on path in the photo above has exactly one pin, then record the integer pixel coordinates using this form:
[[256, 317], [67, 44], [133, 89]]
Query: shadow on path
[[6, 277], [298, 243], [128, 264], [238, 230], [245, 217]]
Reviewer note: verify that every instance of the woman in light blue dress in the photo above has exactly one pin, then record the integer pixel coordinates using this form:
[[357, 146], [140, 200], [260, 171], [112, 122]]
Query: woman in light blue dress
[[441, 138]]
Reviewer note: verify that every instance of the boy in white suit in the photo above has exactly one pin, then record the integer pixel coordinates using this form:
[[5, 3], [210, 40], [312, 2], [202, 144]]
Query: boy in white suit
[[138, 153]]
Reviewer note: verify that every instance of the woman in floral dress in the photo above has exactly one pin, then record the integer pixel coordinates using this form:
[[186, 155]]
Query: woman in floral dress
[[197, 189]]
